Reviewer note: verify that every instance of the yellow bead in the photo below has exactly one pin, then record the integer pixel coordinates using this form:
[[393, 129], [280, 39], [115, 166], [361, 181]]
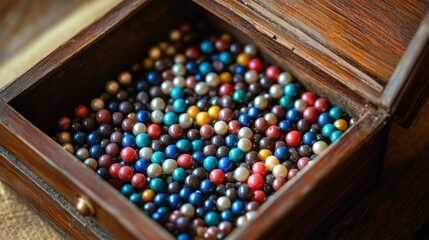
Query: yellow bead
[[148, 195], [341, 124], [225, 77], [132, 116], [270, 162], [243, 59], [193, 111], [203, 118], [263, 154], [214, 112]]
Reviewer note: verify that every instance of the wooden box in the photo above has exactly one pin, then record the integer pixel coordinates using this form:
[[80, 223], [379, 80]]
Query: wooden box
[[368, 57]]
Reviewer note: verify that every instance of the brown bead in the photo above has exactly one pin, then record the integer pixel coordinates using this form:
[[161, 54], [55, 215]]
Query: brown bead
[[252, 206], [193, 134], [192, 53], [225, 227], [64, 123], [104, 161], [175, 131], [116, 137], [117, 118], [207, 131], [267, 143], [244, 192], [127, 125], [222, 152], [278, 111], [304, 151], [251, 157], [209, 150], [261, 124], [192, 182], [226, 114]]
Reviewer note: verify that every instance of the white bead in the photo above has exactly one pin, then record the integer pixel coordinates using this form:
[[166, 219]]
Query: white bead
[[284, 78], [212, 79], [319, 147], [154, 170], [221, 128], [155, 52], [223, 203], [175, 35], [179, 81], [270, 118], [157, 104], [251, 215], [241, 221], [276, 91], [139, 128], [251, 50], [260, 102], [97, 104], [280, 170], [188, 210], [251, 76], [241, 174], [146, 153], [201, 88], [178, 69], [245, 132], [185, 121], [245, 145], [156, 116], [169, 165], [179, 58], [166, 87], [271, 162], [300, 105]]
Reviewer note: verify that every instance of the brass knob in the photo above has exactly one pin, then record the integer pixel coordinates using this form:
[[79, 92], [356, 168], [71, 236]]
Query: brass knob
[[85, 207]]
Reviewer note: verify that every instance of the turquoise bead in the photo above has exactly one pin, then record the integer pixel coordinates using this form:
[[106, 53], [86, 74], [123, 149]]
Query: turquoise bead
[[328, 129], [335, 136], [127, 190], [239, 95], [142, 140], [286, 102], [176, 92], [197, 145], [225, 57], [169, 118], [236, 155], [212, 219], [156, 184], [136, 198], [179, 175], [335, 113], [157, 157], [184, 145], [179, 105], [210, 163]]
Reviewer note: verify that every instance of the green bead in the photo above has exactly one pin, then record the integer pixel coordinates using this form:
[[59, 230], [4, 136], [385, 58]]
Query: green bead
[[239, 95]]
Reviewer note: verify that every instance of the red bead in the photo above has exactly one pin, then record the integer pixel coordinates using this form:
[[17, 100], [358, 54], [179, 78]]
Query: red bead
[[138, 180], [255, 181], [217, 176], [192, 53], [81, 111], [103, 116], [221, 45], [125, 173], [259, 196], [272, 72], [226, 89], [233, 127], [64, 123], [184, 161], [278, 183], [310, 114], [309, 98], [255, 64], [321, 104], [128, 154], [273, 132], [293, 138], [114, 169], [260, 168], [153, 131]]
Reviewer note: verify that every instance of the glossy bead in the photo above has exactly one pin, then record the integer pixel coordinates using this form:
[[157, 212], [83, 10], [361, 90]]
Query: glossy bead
[[188, 210], [321, 104], [169, 165], [310, 114], [293, 138], [270, 162], [263, 154], [203, 118], [280, 171], [236, 155], [245, 145], [241, 174], [128, 154], [212, 219], [184, 161], [125, 173], [156, 116], [319, 147], [223, 203], [154, 170], [335, 113], [260, 102], [221, 128], [328, 129], [341, 124], [255, 181], [335, 136], [217, 176], [302, 162], [255, 64]]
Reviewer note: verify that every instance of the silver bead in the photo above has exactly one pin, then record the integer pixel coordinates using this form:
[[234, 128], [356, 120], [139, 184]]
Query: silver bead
[[212, 79], [178, 69], [276, 91], [284, 78], [156, 116], [251, 76], [201, 88], [157, 104]]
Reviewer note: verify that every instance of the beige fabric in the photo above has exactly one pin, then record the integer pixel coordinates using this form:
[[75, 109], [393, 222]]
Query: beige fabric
[[18, 220]]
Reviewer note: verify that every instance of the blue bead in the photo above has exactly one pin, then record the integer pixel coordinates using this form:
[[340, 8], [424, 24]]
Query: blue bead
[[149, 207], [93, 138], [184, 193], [204, 68], [153, 78], [231, 141], [179, 175], [198, 157], [209, 205], [197, 145], [141, 165], [128, 140], [174, 201], [95, 151], [143, 116], [206, 186], [113, 106], [196, 198], [184, 145], [184, 236], [212, 219], [169, 118], [210, 163], [200, 212], [335, 113], [226, 215], [328, 129], [171, 151], [162, 210], [240, 70], [157, 157], [199, 77], [79, 138], [142, 140], [191, 67], [136, 198], [309, 138], [179, 105], [158, 217], [177, 92], [156, 184], [225, 57], [282, 153], [206, 47], [215, 58], [127, 190], [225, 164], [245, 120], [292, 115], [323, 119], [335, 135], [236, 155], [284, 126], [237, 207], [290, 90], [254, 112], [142, 86]]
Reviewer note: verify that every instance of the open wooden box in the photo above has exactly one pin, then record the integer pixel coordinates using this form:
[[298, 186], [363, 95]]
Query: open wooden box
[[366, 57]]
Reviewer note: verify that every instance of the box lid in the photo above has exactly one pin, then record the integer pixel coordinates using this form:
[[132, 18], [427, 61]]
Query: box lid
[[373, 47]]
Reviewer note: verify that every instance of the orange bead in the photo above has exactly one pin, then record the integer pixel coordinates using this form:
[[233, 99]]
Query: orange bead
[[193, 111], [225, 77], [341, 124], [148, 63], [132, 116], [148, 195], [263, 154], [214, 112], [243, 59], [226, 37], [203, 118]]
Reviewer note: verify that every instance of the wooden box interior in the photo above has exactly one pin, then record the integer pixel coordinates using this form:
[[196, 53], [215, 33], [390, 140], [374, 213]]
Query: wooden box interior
[[77, 72]]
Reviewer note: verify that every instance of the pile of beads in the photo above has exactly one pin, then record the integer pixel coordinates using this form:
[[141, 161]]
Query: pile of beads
[[201, 133]]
